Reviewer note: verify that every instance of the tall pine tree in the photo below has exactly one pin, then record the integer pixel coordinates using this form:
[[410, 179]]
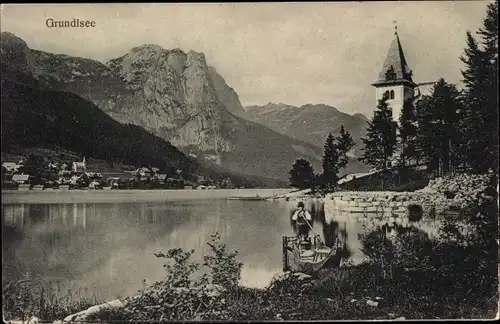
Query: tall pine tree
[[480, 117], [330, 163], [408, 135], [438, 132], [344, 144], [380, 140]]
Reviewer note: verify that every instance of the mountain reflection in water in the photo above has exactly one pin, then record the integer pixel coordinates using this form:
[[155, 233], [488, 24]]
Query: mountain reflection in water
[[109, 247]]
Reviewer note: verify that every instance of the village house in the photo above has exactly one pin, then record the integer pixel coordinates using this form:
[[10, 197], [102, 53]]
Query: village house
[[189, 184], [64, 177], [94, 175], [175, 183], [11, 167], [142, 174], [79, 166], [21, 178], [161, 179], [79, 180]]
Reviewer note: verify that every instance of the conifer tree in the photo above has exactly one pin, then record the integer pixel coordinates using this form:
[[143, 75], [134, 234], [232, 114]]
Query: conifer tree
[[330, 163], [480, 116], [438, 132], [344, 144], [408, 134], [380, 140]]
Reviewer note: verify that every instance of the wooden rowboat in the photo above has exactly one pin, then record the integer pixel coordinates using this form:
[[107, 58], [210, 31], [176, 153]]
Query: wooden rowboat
[[257, 198], [298, 257]]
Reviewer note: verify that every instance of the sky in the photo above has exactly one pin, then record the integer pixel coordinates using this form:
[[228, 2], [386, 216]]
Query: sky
[[293, 53]]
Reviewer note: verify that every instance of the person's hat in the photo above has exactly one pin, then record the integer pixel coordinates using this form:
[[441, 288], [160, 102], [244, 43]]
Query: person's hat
[[300, 204]]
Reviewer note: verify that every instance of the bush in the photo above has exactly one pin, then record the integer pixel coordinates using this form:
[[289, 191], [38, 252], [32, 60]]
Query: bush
[[183, 295]]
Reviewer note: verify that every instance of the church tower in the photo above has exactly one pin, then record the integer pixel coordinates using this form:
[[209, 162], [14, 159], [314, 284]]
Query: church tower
[[395, 79]]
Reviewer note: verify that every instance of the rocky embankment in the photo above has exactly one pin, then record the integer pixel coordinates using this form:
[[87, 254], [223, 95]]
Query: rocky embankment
[[461, 192], [468, 190]]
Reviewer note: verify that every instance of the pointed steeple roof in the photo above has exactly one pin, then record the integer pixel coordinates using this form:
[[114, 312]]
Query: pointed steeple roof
[[395, 69]]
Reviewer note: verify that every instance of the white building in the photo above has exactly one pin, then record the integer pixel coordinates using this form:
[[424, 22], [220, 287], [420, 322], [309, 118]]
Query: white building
[[79, 166], [396, 80]]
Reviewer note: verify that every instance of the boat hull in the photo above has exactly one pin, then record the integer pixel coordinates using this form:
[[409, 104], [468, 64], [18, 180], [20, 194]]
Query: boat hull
[[247, 198], [294, 260]]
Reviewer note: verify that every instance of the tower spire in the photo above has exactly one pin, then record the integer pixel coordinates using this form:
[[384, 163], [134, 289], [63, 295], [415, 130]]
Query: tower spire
[[395, 22]]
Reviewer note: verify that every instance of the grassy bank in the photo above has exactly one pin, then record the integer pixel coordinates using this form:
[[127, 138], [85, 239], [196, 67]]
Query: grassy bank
[[30, 297]]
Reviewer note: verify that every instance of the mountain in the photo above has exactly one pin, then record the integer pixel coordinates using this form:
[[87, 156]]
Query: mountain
[[309, 123], [34, 117], [171, 94], [226, 94]]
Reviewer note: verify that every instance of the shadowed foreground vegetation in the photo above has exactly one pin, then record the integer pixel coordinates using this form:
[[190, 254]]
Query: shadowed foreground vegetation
[[408, 275], [29, 297]]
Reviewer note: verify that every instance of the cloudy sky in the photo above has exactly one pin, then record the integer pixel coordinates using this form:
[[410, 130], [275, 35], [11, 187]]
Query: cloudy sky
[[295, 53]]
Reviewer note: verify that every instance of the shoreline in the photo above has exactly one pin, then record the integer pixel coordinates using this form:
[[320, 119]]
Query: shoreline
[[133, 195]]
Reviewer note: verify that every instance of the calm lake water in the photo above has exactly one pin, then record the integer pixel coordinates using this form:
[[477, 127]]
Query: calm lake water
[[108, 246]]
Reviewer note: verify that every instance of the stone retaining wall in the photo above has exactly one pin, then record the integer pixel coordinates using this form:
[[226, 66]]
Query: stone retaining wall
[[390, 202]]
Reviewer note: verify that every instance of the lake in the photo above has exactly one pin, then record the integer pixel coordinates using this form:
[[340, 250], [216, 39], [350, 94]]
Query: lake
[[108, 245]]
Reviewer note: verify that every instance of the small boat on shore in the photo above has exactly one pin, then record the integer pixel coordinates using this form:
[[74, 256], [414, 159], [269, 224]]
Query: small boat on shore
[[306, 257], [256, 198]]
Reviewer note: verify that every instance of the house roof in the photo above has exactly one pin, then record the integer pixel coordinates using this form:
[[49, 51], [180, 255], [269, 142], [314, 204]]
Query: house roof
[[141, 172], [395, 67], [10, 166], [93, 174], [20, 177]]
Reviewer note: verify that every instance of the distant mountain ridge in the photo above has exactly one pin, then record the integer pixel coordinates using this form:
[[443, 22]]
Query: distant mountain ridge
[[33, 117], [170, 93], [309, 123]]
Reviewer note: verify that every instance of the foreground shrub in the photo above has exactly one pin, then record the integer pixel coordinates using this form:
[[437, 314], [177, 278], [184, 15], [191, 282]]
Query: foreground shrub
[[26, 298], [184, 294]]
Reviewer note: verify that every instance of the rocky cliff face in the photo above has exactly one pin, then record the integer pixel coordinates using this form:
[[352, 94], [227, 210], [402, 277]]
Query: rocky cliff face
[[172, 94], [226, 94]]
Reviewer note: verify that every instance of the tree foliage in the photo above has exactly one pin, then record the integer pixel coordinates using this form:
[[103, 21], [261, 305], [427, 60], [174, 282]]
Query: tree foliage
[[439, 137], [450, 130], [408, 130], [480, 117], [36, 166], [330, 163], [302, 174], [380, 140], [344, 144]]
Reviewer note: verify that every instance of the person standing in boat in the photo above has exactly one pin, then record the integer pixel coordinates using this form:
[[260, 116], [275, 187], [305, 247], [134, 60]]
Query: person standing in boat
[[302, 217]]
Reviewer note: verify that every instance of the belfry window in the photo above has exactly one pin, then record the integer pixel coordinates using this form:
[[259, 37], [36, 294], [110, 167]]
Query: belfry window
[[386, 94], [392, 94]]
